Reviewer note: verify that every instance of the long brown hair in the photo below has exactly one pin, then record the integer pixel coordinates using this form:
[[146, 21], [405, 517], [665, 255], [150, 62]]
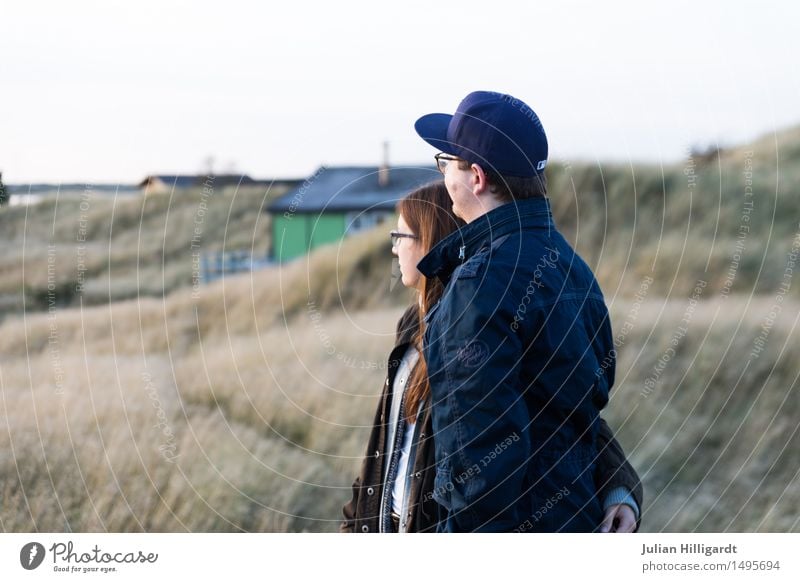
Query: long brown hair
[[428, 211]]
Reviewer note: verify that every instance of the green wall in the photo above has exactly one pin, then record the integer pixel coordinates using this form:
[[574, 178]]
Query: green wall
[[325, 228], [294, 236]]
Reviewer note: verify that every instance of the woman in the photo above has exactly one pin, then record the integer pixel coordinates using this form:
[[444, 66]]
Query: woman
[[394, 491]]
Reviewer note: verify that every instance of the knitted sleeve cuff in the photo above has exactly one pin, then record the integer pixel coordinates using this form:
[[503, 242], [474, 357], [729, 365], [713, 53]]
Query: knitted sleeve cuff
[[620, 495]]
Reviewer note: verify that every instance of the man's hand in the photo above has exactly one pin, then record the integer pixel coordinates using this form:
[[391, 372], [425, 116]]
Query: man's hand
[[619, 519]]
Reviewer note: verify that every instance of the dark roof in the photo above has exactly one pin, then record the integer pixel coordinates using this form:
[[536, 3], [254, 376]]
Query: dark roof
[[229, 179], [353, 188], [278, 182]]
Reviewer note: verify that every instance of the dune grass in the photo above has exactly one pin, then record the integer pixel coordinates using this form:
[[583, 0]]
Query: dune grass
[[96, 249], [241, 408], [246, 409], [142, 404]]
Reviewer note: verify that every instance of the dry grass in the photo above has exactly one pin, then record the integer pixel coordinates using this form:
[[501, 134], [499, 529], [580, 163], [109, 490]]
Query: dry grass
[[716, 438], [263, 420], [239, 432], [123, 247], [682, 222], [243, 406]]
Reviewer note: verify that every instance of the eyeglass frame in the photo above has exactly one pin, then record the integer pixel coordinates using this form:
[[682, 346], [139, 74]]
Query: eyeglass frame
[[396, 236], [446, 158]]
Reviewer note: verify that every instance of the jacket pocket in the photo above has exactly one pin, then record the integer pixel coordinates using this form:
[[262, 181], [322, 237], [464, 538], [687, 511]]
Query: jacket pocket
[[564, 498], [443, 484]]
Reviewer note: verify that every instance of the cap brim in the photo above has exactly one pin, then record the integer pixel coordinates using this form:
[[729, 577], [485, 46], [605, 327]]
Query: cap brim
[[433, 129]]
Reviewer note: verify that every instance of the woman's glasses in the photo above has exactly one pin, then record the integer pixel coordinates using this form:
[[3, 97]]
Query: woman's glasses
[[396, 236]]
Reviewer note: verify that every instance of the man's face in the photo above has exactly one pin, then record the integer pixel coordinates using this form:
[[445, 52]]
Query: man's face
[[459, 186]]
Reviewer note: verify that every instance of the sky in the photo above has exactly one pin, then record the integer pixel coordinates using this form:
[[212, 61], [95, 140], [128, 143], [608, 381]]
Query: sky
[[109, 91]]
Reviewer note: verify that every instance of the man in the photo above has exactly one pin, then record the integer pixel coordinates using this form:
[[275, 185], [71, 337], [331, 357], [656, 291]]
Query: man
[[519, 349]]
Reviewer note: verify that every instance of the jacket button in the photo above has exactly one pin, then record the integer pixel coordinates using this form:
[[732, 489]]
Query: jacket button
[[364, 528], [418, 474], [422, 435], [370, 491], [377, 454]]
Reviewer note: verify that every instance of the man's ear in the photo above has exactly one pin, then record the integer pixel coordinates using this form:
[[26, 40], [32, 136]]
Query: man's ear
[[479, 184]]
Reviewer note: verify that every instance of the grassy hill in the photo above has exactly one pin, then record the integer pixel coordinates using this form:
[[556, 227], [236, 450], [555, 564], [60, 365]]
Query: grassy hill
[[246, 407], [700, 219], [93, 248], [677, 224]]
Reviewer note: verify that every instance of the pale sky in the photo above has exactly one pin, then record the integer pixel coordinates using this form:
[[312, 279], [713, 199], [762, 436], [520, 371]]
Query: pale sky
[[109, 91]]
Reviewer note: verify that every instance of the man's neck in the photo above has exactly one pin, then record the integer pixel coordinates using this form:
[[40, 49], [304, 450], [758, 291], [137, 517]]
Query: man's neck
[[485, 207]]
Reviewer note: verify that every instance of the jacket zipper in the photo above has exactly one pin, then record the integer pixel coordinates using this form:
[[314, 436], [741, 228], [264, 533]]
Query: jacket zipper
[[386, 503]]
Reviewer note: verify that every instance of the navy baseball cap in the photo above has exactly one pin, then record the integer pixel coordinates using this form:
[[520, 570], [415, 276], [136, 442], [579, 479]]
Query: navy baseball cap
[[494, 130]]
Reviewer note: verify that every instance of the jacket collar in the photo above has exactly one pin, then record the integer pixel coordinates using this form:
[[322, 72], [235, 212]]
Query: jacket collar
[[457, 247]]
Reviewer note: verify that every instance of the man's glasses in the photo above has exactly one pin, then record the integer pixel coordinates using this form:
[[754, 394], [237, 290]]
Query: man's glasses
[[443, 159], [396, 236]]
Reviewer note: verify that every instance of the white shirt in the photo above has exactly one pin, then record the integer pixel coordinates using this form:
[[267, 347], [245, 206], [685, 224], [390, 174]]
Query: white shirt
[[399, 388]]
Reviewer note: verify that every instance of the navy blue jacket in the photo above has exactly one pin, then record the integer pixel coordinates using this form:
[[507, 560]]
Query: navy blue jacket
[[520, 358]]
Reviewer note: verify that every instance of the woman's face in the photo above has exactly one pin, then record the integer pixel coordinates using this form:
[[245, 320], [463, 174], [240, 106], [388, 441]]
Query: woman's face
[[409, 252]]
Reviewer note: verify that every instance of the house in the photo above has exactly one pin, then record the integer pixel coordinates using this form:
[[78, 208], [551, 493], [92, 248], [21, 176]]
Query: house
[[336, 202]]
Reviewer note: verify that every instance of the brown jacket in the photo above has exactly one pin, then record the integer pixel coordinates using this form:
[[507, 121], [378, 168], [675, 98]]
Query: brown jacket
[[361, 513]]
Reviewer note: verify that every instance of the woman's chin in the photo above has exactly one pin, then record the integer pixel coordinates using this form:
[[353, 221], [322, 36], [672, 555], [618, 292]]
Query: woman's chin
[[409, 283]]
